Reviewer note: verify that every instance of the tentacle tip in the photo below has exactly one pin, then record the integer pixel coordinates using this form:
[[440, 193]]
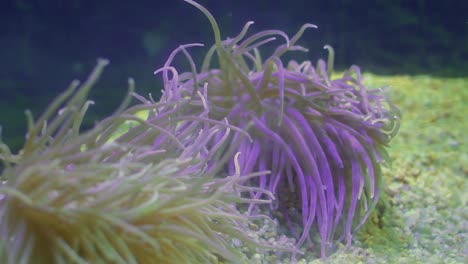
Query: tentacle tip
[[103, 61], [309, 25]]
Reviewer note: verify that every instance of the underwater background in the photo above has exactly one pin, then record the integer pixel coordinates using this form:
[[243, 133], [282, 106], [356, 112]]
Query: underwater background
[[46, 44], [417, 48]]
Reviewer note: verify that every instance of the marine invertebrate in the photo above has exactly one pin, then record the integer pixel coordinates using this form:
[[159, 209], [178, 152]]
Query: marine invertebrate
[[86, 197], [323, 138]]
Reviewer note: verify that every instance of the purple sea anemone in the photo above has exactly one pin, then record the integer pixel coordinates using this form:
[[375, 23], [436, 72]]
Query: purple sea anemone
[[322, 138]]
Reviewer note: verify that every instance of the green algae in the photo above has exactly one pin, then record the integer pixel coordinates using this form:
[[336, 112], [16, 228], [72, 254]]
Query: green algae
[[423, 215]]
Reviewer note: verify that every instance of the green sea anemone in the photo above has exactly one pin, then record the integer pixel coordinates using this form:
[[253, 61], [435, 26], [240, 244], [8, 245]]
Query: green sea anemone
[[96, 197]]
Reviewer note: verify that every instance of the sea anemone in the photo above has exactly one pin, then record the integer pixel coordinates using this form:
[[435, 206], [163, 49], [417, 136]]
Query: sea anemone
[[322, 138], [101, 196]]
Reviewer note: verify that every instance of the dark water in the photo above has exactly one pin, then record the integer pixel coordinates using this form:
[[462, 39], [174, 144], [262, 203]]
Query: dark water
[[44, 44]]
